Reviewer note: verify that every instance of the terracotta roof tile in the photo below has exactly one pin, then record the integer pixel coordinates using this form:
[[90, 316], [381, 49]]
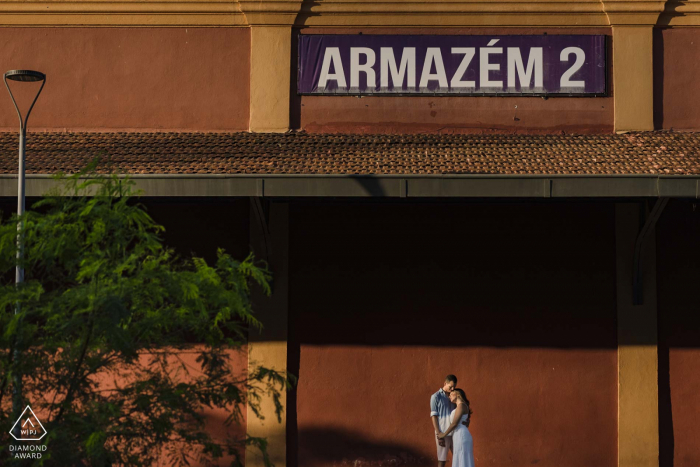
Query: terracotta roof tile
[[301, 153]]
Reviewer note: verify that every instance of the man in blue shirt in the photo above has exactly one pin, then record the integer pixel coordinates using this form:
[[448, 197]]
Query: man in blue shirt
[[440, 409]]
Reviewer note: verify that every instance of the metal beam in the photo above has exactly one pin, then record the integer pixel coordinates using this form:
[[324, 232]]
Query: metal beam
[[395, 186]]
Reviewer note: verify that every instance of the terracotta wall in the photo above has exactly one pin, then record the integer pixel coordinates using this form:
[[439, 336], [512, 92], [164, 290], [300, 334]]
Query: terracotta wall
[[676, 84], [197, 226], [200, 226], [390, 114], [518, 300], [132, 78], [678, 256], [214, 419]]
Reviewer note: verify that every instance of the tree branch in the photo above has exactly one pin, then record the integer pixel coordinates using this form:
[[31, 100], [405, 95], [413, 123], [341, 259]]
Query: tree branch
[[11, 352], [74, 378]]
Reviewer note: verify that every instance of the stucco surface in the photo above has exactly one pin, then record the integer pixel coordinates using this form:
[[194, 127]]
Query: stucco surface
[[634, 77], [676, 84], [215, 418], [269, 78], [518, 300], [678, 256], [196, 227], [131, 78], [391, 114]]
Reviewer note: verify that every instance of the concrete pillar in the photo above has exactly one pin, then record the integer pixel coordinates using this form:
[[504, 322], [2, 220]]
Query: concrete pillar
[[269, 238], [637, 360], [271, 70], [633, 77], [270, 76], [632, 24]]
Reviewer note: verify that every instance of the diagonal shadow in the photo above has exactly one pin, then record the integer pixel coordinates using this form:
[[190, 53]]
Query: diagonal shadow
[[320, 447], [666, 437], [658, 56]]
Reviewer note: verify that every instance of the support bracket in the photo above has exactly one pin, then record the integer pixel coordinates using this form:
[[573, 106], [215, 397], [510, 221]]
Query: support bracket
[[260, 208], [649, 224]]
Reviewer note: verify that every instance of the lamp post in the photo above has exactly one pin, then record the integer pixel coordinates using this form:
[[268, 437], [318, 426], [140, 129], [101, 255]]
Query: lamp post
[[26, 76]]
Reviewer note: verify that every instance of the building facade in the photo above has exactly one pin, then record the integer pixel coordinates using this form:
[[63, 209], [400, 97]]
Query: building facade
[[540, 245]]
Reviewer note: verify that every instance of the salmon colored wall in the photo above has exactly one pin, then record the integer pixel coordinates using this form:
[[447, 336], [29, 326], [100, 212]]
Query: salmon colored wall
[[200, 227], [518, 300], [390, 114], [214, 419], [678, 256], [676, 84], [131, 78]]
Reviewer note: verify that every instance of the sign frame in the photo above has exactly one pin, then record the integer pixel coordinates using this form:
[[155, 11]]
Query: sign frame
[[604, 53]]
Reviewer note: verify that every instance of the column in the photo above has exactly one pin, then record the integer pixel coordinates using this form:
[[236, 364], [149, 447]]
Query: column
[[270, 75], [271, 24], [269, 238], [633, 78], [632, 24], [637, 359]]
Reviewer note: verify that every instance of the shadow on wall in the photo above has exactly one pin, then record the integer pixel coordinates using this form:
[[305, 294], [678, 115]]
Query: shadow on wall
[[294, 97], [658, 47], [535, 275], [516, 298], [666, 438], [678, 255], [321, 447]]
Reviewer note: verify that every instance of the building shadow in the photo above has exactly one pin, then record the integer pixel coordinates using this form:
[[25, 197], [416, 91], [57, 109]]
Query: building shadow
[[328, 446], [658, 48], [440, 275], [537, 277], [294, 97], [371, 185], [678, 255], [293, 364], [666, 438], [669, 14], [306, 12]]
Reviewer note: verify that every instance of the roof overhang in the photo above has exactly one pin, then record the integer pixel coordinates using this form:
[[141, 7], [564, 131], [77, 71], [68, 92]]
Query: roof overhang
[[393, 186]]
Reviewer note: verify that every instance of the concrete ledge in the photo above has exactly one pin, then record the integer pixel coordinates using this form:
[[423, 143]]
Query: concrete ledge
[[395, 186]]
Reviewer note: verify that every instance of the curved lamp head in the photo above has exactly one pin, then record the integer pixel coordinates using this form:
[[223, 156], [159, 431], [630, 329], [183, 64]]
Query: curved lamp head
[[26, 76]]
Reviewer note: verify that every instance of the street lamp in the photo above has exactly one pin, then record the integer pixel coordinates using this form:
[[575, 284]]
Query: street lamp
[[26, 76]]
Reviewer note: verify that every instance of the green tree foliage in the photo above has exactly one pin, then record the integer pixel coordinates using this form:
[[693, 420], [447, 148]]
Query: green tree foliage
[[106, 315]]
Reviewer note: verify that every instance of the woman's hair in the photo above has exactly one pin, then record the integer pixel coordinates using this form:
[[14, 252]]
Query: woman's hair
[[464, 398]]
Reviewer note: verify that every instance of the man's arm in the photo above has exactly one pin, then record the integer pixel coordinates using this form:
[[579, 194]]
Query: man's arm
[[434, 413]]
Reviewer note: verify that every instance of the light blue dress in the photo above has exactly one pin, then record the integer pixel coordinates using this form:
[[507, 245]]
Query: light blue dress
[[462, 445]]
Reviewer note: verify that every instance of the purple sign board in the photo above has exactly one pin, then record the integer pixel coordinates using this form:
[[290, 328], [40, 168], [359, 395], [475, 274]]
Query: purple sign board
[[449, 65]]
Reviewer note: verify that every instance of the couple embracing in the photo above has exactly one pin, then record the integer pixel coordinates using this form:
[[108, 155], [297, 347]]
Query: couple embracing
[[450, 413]]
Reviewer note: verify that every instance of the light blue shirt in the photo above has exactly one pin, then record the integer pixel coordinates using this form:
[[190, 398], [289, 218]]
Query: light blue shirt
[[441, 406]]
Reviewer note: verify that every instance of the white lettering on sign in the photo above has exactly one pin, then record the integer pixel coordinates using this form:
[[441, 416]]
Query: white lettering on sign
[[521, 69], [433, 56], [332, 57], [469, 53], [356, 67], [407, 67], [580, 60], [486, 67], [535, 65]]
